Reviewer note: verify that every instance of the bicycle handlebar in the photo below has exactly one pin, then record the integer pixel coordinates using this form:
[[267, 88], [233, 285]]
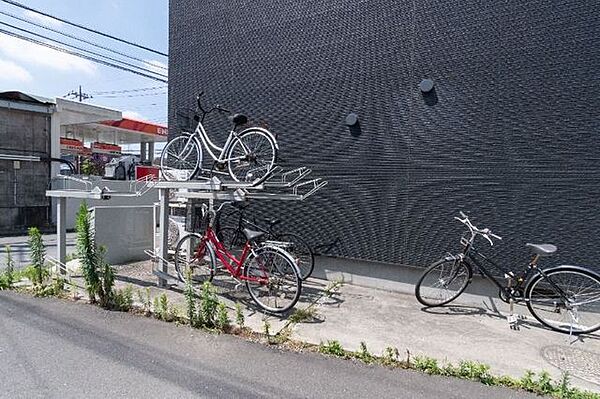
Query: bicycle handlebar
[[485, 233], [214, 108]]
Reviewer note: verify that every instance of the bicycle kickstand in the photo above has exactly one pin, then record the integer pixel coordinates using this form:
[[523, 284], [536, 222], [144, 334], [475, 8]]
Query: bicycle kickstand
[[512, 318]]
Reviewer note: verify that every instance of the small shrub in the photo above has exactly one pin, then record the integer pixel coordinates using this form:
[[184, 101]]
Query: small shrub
[[390, 356], [266, 328], [222, 322], [37, 254], [426, 364], [333, 348], [190, 300], [208, 305], [123, 299], [363, 353], [544, 384], [163, 307], [148, 302], [239, 315], [475, 371], [7, 279]]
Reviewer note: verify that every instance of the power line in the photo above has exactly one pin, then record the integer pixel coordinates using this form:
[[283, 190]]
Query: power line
[[76, 54], [129, 95], [82, 49], [130, 90], [17, 4], [76, 38]]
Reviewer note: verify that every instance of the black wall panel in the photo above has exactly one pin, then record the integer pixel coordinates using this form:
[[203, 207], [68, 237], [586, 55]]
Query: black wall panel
[[510, 134]]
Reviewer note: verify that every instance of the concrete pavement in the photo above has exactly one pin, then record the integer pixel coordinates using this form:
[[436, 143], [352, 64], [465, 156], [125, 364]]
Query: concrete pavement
[[475, 329], [59, 349]]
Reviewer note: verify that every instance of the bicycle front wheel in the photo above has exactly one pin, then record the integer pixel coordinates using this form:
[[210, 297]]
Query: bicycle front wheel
[[272, 279], [180, 159], [195, 257], [443, 282], [301, 252], [251, 156], [567, 299]]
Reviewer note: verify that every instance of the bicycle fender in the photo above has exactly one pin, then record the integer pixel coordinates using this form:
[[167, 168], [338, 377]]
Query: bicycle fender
[[571, 267]]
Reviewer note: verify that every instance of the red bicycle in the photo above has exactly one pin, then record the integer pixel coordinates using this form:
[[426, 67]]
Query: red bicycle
[[269, 272]]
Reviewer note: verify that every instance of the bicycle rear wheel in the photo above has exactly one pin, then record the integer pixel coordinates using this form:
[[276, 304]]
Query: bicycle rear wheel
[[570, 303], [251, 157], [443, 282], [301, 252], [273, 280], [180, 159], [196, 256]]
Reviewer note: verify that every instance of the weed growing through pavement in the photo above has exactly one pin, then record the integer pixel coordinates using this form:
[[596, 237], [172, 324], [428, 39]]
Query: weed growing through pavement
[[7, 277], [222, 323], [333, 348], [239, 315], [301, 315]]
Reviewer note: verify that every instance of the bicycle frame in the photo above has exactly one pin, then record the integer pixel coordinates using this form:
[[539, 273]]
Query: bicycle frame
[[227, 258], [469, 254], [210, 146]]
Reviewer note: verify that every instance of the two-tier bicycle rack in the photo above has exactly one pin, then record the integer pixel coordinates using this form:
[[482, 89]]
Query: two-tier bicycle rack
[[284, 185]]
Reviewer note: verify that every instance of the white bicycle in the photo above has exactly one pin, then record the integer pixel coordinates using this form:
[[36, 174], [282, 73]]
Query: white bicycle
[[247, 156]]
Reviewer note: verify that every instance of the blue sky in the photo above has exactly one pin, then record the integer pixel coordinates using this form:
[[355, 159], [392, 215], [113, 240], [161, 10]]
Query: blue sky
[[38, 70]]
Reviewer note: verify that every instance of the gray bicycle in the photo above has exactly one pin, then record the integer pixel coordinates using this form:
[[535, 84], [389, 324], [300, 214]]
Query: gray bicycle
[[563, 298]]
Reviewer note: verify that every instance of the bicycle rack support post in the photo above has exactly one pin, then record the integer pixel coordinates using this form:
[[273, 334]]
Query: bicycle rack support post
[[61, 231], [163, 198]]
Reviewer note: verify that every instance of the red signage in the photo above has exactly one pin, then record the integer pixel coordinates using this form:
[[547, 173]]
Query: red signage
[[105, 148], [73, 146]]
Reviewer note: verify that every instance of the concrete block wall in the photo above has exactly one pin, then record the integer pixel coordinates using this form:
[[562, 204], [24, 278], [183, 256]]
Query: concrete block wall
[[23, 184]]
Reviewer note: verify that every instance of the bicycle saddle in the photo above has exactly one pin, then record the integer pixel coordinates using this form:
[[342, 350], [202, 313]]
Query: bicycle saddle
[[252, 235], [238, 119], [542, 249]]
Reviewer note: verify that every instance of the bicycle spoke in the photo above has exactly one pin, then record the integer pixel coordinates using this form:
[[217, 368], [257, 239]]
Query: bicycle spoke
[[567, 300]]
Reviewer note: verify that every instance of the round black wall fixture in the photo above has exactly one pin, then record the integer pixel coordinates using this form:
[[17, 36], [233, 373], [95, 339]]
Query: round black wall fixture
[[351, 119], [426, 85]]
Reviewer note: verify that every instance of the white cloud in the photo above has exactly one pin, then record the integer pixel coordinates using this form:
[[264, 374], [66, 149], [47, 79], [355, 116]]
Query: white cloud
[[156, 67], [33, 54], [42, 19], [11, 72], [133, 115]]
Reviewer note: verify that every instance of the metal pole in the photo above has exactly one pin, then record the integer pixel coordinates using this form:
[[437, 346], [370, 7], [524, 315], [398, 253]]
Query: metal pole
[[163, 195], [61, 232]]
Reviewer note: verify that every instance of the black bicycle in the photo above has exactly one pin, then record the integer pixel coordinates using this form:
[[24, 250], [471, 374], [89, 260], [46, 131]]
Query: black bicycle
[[563, 298], [233, 238]]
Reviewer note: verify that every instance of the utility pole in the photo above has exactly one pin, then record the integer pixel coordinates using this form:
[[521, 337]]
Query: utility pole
[[78, 94]]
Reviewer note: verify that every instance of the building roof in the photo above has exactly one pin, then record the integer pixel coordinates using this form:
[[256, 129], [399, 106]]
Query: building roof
[[24, 97]]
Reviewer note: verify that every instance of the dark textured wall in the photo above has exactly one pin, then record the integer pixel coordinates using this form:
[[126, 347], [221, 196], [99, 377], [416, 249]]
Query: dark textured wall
[[511, 134], [23, 201]]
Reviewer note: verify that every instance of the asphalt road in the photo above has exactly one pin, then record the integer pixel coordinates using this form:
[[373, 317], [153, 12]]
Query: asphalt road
[[58, 349]]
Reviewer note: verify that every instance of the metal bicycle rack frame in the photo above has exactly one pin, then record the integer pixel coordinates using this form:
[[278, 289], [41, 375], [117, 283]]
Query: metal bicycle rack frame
[[285, 185]]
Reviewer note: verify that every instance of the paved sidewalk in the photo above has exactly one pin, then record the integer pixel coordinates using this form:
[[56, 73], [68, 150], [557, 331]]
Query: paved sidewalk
[[452, 333], [382, 318]]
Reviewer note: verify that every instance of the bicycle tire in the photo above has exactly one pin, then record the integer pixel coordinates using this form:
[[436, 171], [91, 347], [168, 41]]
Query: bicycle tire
[[187, 256], [176, 169], [301, 252], [254, 170], [274, 265], [455, 268], [543, 300]]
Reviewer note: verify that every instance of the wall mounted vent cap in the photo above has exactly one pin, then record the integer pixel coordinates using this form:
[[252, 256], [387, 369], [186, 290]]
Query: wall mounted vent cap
[[426, 85], [351, 119]]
